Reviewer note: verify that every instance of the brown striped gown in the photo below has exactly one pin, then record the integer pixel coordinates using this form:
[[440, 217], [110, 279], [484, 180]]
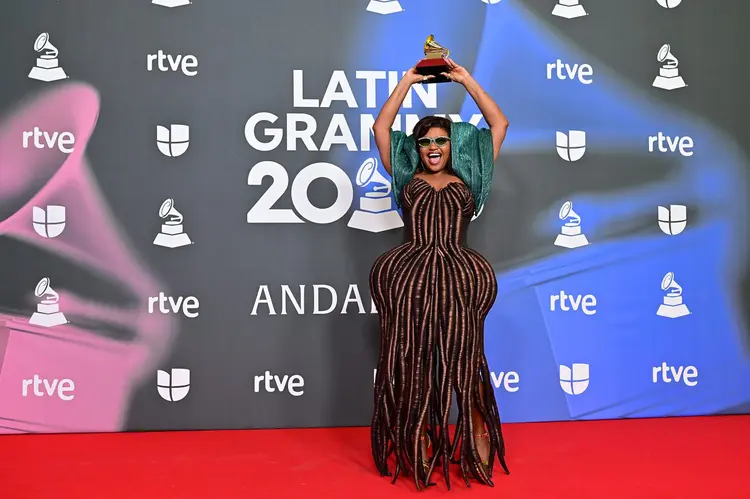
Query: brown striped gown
[[433, 294]]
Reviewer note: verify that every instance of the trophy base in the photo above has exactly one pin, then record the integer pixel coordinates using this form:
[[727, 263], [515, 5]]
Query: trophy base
[[48, 320], [375, 222], [172, 240], [434, 67], [569, 11], [47, 74], [571, 242], [672, 312], [669, 83]]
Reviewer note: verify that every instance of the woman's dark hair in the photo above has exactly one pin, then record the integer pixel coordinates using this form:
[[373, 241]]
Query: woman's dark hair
[[423, 125]]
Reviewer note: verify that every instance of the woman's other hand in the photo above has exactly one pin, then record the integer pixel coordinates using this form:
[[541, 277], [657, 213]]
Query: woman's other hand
[[457, 73], [413, 77]]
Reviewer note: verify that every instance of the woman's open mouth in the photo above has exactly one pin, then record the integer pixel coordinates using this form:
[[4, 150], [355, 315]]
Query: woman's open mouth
[[434, 158]]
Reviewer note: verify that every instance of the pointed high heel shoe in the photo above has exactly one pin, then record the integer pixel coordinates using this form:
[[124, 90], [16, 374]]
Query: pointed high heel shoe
[[485, 464], [425, 461], [483, 436]]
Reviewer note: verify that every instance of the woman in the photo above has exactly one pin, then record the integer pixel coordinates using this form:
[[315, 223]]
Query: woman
[[433, 294]]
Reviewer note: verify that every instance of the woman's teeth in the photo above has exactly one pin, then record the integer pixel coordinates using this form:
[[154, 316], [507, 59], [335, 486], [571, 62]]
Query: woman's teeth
[[434, 158]]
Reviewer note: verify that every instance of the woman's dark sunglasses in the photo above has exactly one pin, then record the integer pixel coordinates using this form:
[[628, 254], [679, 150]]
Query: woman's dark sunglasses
[[439, 141]]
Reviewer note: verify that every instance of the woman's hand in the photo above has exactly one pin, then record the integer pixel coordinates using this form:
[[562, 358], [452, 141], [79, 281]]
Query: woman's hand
[[457, 73], [413, 77]]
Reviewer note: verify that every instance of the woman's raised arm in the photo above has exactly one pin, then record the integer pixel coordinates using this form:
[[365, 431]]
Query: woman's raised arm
[[494, 117], [381, 129]]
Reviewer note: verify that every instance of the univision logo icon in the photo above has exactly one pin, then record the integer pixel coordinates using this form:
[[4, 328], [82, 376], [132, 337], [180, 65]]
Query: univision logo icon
[[673, 219], [49, 222], [571, 146], [173, 141], [669, 4], [173, 386], [574, 379]]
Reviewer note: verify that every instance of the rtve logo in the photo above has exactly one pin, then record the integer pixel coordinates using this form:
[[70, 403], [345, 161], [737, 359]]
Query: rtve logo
[[187, 64], [665, 143], [294, 384], [64, 142], [62, 389], [669, 374], [564, 71], [173, 386], [574, 380], [571, 146], [507, 380], [187, 306], [568, 302]]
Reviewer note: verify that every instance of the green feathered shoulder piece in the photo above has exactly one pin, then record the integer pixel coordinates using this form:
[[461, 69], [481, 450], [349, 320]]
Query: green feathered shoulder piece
[[471, 158]]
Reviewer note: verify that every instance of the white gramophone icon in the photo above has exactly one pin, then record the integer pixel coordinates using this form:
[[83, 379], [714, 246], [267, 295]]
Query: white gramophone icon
[[570, 235], [376, 212], [672, 306], [669, 75], [384, 6], [171, 3], [47, 68], [48, 310], [568, 9], [172, 234]]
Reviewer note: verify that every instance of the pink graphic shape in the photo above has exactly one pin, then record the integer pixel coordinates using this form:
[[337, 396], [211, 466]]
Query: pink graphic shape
[[105, 371]]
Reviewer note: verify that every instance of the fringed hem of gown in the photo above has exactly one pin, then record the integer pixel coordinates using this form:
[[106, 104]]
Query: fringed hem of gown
[[401, 415]]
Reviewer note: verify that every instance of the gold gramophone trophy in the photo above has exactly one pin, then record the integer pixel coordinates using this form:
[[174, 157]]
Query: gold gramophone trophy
[[434, 62]]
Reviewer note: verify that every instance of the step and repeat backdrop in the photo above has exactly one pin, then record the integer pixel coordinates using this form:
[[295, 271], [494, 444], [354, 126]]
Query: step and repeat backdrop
[[191, 201]]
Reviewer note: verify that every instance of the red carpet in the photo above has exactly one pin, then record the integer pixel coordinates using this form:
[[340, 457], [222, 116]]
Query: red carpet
[[656, 458]]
